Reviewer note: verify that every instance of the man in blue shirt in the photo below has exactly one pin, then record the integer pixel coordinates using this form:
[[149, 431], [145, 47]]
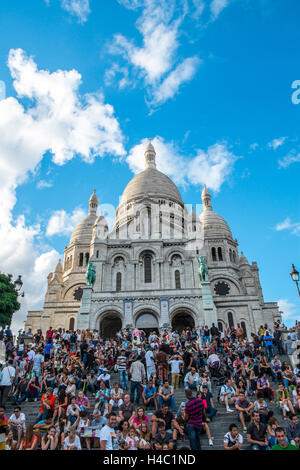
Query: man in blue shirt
[[268, 340], [149, 395]]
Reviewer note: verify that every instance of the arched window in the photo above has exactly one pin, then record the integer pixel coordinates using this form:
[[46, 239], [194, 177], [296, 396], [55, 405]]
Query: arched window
[[72, 324], [220, 255], [243, 325], [87, 258], [119, 282], [97, 254], [220, 326], [230, 255], [71, 259], [213, 254], [177, 279], [147, 268], [230, 319], [81, 259], [234, 256]]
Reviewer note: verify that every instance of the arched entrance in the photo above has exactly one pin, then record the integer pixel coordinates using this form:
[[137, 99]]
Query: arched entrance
[[181, 320], [110, 324], [147, 322]]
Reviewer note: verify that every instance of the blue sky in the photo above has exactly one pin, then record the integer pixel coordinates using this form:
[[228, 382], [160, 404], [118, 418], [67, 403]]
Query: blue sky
[[209, 80]]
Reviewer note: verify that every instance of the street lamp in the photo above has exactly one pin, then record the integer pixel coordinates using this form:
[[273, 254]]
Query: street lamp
[[19, 284], [295, 276]]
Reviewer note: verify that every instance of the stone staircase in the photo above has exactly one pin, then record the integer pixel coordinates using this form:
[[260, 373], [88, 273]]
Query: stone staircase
[[218, 427]]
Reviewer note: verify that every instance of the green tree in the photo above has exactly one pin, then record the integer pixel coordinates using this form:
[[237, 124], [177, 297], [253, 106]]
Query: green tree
[[8, 299]]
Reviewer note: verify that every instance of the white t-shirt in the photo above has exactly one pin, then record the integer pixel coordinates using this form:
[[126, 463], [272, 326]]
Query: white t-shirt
[[108, 434], [16, 420], [149, 358], [71, 444], [229, 439], [31, 354], [175, 363], [7, 373]]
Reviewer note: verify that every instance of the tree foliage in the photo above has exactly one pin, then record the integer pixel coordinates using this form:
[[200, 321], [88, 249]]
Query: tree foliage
[[8, 299]]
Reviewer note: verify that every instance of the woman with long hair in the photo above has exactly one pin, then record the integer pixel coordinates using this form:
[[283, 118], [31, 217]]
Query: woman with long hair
[[30, 440], [50, 440], [139, 418], [62, 405], [122, 434], [145, 437]]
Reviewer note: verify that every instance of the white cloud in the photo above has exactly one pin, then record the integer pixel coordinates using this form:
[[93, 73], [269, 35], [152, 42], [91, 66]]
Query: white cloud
[[79, 8], [62, 223], [290, 311], [184, 72], [288, 225], [292, 157], [42, 184], [58, 120], [156, 62], [210, 167], [275, 143], [217, 6]]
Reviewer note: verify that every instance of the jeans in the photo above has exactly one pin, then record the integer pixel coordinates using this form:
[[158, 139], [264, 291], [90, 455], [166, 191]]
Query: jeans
[[170, 402], [135, 389], [19, 398], [210, 413], [123, 379], [279, 347], [194, 436], [270, 352]]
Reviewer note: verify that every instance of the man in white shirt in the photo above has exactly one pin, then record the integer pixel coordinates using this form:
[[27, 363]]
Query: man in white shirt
[[108, 437], [150, 364], [8, 374], [175, 362], [16, 424], [228, 395]]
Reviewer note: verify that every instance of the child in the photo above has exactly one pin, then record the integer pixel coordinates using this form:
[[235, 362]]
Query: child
[[132, 440]]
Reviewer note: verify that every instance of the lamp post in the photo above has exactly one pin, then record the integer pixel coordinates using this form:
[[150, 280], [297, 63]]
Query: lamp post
[[295, 277], [19, 284]]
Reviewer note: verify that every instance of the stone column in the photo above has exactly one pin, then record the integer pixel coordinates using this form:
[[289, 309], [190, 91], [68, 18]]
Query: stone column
[[209, 308], [83, 316], [128, 314]]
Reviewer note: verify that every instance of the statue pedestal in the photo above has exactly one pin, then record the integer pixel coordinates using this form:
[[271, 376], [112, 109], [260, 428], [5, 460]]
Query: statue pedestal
[[209, 309], [83, 316]]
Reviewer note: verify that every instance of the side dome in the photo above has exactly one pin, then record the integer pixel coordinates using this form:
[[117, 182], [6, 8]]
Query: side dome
[[213, 223], [83, 232]]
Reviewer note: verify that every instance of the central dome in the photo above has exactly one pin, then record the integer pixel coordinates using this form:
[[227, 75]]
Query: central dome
[[151, 182]]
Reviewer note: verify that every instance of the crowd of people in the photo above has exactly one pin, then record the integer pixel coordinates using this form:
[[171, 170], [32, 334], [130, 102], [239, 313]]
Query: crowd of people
[[120, 394]]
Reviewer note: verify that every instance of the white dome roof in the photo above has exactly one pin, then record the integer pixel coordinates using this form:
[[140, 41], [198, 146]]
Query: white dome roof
[[82, 233], [214, 224], [151, 182]]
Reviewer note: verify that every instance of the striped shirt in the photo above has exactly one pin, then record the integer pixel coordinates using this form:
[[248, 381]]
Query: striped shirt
[[123, 362], [194, 410]]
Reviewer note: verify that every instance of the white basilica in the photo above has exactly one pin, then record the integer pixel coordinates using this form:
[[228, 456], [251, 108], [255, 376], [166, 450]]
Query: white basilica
[[147, 267]]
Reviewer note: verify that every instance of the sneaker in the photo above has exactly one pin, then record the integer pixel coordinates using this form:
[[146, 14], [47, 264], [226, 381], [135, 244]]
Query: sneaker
[[229, 410], [26, 399], [210, 442], [35, 399]]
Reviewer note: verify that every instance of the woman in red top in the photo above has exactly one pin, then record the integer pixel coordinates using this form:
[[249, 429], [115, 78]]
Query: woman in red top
[[29, 441]]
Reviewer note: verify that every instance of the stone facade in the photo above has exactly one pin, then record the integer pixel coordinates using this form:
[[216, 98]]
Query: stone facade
[[147, 267]]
